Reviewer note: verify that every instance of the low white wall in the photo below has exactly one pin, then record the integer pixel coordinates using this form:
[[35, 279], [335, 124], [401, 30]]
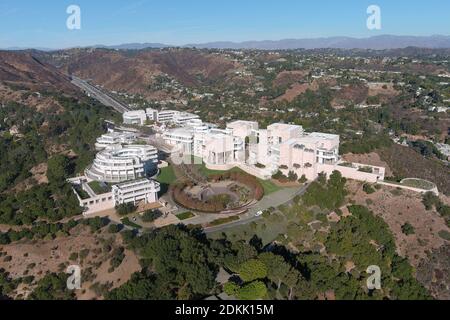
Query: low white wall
[[99, 203], [394, 185], [351, 173]]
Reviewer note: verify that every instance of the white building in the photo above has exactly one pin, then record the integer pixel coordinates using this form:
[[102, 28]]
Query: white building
[[170, 116], [137, 117], [143, 190], [113, 138], [138, 191], [263, 152], [184, 117], [119, 163]]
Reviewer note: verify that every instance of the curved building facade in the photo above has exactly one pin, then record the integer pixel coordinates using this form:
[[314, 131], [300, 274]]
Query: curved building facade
[[123, 163], [114, 138]]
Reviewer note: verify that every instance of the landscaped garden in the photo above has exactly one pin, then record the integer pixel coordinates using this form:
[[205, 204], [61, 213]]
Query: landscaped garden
[[418, 183], [99, 187], [225, 191], [185, 215], [81, 193], [269, 186]]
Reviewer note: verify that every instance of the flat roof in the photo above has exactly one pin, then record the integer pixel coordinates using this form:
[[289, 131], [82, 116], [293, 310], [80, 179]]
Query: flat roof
[[284, 126]]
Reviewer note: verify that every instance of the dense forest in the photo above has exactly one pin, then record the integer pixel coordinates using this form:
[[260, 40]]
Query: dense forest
[[37, 134]]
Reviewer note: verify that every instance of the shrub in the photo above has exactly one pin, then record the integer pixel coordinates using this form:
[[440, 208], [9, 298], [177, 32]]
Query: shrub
[[280, 177], [408, 229], [125, 209], [113, 228], [151, 215], [444, 235], [292, 176], [368, 188], [73, 256]]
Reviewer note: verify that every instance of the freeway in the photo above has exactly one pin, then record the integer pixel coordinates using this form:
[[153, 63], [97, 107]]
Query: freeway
[[276, 199], [99, 95]]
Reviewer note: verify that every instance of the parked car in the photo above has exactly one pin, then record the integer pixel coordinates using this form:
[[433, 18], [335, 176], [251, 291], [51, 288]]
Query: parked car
[[259, 213]]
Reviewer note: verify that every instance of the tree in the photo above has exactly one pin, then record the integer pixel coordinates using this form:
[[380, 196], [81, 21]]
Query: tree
[[241, 252], [125, 209], [322, 178], [252, 270], [57, 170], [113, 228], [181, 263], [253, 291], [429, 200], [231, 289], [52, 287], [151, 215], [277, 267], [292, 277]]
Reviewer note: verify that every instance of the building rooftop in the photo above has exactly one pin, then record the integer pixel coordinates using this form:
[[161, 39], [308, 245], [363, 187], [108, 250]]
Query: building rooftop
[[284, 126]]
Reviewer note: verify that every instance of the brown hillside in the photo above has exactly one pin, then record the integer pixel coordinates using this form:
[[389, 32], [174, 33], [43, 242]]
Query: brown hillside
[[23, 70], [135, 71], [405, 162]]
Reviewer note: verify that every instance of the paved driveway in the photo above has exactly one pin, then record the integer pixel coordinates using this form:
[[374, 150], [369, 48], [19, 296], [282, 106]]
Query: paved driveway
[[284, 196]]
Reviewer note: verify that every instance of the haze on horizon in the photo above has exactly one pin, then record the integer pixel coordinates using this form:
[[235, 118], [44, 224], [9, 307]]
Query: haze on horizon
[[27, 23]]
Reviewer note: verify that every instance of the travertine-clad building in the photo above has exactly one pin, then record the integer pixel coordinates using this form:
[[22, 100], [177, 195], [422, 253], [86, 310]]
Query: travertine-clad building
[[113, 138], [119, 163], [306, 154], [263, 152], [140, 117], [136, 191]]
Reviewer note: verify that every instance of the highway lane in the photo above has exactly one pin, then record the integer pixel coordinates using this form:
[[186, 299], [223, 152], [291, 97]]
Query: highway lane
[[99, 95]]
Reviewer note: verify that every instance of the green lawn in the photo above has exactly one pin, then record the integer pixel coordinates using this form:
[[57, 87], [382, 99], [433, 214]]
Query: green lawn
[[221, 221], [128, 222], [269, 186], [167, 175], [99, 188], [185, 215]]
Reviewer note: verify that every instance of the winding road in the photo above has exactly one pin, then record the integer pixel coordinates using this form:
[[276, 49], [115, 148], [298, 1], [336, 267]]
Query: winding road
[[276, 199]]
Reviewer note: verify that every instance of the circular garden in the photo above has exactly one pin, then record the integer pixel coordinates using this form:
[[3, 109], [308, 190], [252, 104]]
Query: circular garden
[[222, 193]]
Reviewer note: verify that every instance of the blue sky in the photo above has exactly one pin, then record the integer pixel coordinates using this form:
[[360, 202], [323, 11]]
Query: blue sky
[[31, 23]]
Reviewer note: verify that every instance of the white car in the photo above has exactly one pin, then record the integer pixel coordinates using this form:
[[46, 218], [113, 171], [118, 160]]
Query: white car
[[259, 214]]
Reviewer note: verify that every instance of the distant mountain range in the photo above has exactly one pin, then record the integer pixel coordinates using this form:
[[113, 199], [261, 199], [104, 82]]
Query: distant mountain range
[[381, 42], [134, 46]]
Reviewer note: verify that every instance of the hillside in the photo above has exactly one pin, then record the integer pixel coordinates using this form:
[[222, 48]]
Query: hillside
[[23, 70], [135, 71], [42, 117], [26, 79]]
